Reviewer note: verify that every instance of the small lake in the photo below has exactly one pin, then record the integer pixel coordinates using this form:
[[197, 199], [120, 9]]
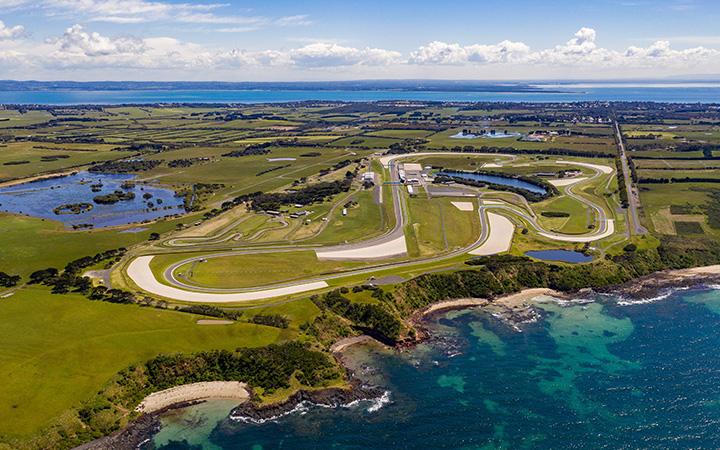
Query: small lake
[[39, 198], [497, 180], [484, 136], [559, 255]]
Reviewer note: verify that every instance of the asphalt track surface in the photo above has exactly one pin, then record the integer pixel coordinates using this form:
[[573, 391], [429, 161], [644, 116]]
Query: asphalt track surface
[[143, 277]]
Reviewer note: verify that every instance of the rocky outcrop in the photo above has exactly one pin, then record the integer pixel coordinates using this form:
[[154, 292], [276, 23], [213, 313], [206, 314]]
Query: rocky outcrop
[[652, 285], [129, 438], [326, 397]]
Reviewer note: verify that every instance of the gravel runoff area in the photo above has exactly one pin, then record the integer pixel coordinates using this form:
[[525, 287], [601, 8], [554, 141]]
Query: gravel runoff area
[[139, 271], [194, 392], [500, 237], [566, 181], [464, 206], [395, 247]]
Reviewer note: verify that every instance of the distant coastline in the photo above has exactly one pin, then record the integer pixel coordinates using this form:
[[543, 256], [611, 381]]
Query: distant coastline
[[150, 93], [362, 85]]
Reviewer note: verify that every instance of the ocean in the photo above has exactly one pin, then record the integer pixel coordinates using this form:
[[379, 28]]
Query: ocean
[[674, 93], [601, 373]]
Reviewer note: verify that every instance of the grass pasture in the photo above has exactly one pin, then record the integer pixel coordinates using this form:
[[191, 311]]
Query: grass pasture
[[48, 364], [657, 200], [44, 158], [31, 244]]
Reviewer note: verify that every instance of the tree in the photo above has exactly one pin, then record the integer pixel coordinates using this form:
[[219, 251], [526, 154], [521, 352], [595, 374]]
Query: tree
[[8, 280], [97, 293], [41, 275]]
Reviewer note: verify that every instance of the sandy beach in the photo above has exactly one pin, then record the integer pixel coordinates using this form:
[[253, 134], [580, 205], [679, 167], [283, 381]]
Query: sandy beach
[[695, 271], [511, 301], [517, 300], [158, 401], [347, 342]]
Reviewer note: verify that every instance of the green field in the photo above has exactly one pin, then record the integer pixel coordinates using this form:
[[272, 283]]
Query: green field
[[362, 221], [31, 244], [57, 351], [260, 269], [49, 363], [657, 200]]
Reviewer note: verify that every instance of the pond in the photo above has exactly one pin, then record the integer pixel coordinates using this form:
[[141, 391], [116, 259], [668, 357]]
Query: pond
[[559, 255], [484, 136], [497, 180], [39, 198]]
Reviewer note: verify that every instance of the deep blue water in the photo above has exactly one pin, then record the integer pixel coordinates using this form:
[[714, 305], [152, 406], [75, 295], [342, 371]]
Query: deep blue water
[[688, 92], [559, 255], [600, 375], [497, 180], [39, 198]]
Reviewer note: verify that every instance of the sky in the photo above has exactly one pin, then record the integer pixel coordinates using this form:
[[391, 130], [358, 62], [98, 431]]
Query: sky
[[321, 40]]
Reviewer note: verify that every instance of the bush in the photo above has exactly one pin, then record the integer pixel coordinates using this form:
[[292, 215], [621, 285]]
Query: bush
[[271, 320]]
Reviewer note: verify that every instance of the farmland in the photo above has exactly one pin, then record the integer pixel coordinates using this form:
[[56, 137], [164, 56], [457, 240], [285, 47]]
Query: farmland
[[282, 204]]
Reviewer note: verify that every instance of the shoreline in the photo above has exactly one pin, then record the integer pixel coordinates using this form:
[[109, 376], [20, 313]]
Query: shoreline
[[195, 392], [650, 286], [513, 307], [20, 181]]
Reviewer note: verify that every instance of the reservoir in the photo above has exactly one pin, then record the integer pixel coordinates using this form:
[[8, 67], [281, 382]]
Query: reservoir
[[559, 255], [505, 181]]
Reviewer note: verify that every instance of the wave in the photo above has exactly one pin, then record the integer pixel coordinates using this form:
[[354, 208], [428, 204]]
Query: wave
[[665, 293], [303, 407], [376, 403]]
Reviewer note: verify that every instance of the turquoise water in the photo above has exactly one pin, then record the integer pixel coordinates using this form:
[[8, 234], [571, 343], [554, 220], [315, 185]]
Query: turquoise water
[[597, 375], [680, 92]]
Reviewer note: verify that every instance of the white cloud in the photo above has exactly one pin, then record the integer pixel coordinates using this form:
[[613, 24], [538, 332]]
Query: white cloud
[[331, 55], [289, 21], [110, 7], [117, 19], [212, 18], [10, 33], [135, 11], [12, 3], [77, 40], [580, 52], [439, 53], [237, 29], [455, 54], [88, 51]]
